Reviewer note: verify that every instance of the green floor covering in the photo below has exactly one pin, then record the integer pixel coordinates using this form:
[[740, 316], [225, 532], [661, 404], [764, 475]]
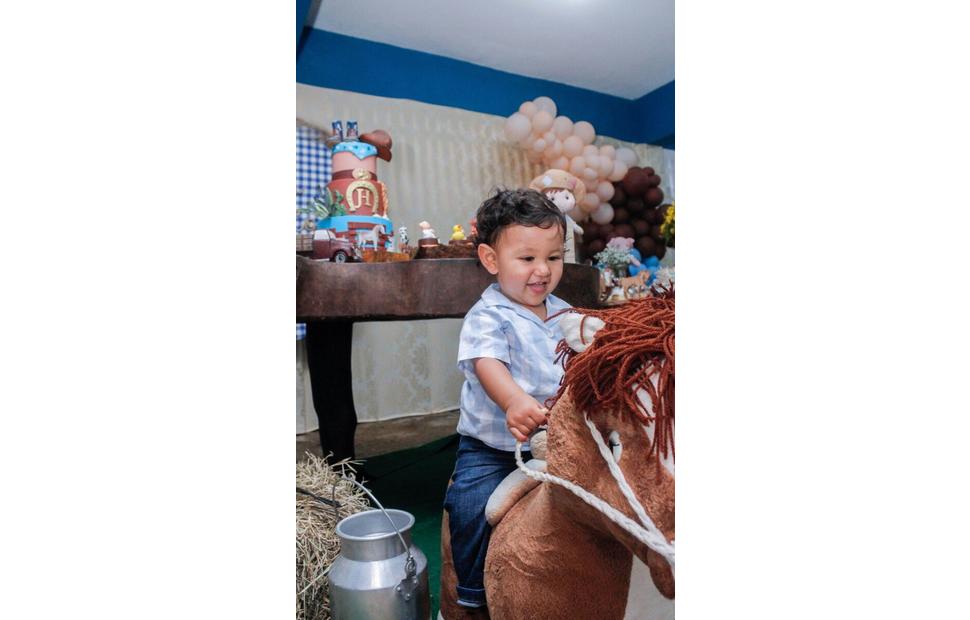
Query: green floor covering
[[415, 480]]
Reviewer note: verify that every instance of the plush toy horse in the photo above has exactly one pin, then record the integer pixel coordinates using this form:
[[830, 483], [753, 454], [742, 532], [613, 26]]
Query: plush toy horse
[[571, 527]]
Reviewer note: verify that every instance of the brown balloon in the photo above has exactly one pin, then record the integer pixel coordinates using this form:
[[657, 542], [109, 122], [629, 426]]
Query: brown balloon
[[604, 231], [651, 216], [635, 183], [590, 229], [619, 196], [654, 180], [661, 250], [656, 234], [641, 227], [595, 246], [647, 246], [620, 215], [635, 205], [623, 230], [649, 171], [653, 197]]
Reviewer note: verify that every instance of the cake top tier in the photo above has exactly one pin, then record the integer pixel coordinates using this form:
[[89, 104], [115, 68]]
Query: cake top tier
[[361, 149]]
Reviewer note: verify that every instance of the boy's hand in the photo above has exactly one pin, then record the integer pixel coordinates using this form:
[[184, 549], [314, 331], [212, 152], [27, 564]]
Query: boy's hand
[[524, 415]]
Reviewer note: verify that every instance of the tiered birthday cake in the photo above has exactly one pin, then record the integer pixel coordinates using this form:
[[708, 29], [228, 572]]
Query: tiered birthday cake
[[357, 200]]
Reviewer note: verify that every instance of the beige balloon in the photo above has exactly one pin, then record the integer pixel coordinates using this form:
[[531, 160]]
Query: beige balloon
[[577, 165], [542, 121], [563, 126], [545, 103], [605, 190], [528, 108], [560, 163], [585, 131], [572, 146], [619, 171]]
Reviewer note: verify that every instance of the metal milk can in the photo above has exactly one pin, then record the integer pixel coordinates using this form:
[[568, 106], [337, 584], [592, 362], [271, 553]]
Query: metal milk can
[[379, 573]]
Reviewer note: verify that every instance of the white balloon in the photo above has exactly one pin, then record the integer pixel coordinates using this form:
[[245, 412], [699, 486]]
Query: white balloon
[[591, 202], [517, 126], [627, 156], [528, 108], [592, 161], [589, 175], [608, 150], [539, 145], [590, 151], [603, 214], [549, 137], [547, 104], [619, 171]]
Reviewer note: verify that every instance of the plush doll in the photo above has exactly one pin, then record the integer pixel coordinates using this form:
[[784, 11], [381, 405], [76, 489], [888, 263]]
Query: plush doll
[[564, 190]]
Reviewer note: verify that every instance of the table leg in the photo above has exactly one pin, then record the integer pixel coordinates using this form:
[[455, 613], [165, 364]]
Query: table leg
[[328, 360]]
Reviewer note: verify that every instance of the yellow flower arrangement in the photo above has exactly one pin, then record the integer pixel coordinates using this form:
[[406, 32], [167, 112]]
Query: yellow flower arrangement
[[667, 227]]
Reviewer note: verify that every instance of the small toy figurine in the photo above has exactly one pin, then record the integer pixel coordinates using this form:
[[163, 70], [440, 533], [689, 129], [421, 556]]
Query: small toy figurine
[[426, 231], [428, 236], [457, 233], [402, 234]]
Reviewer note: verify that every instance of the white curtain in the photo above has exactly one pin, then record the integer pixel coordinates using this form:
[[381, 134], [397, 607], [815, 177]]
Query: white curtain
[[445, 162]]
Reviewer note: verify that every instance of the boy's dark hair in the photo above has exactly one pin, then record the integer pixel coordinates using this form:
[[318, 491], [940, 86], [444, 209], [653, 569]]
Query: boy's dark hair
[[525, 207]]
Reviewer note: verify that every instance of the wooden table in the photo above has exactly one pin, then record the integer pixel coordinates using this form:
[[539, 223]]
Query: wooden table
[[331, 297]]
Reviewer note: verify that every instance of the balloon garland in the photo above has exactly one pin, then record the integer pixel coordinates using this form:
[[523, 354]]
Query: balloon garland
[[636, 211], [559, 143]]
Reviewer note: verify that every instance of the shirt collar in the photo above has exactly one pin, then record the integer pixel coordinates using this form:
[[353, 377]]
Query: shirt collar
[[493, 296]]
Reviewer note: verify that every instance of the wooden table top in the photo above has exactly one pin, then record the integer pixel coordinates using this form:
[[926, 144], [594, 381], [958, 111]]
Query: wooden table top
[[411, 290]]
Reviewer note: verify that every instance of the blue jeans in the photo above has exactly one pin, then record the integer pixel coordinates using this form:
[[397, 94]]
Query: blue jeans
[[478, 470]]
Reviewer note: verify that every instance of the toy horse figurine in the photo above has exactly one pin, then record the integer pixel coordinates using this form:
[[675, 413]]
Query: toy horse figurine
[[570, 532]]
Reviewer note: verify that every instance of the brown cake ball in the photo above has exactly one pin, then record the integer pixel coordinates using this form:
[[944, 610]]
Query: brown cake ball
[[647, 246], [653, 197], [641, 227], [619, 195]]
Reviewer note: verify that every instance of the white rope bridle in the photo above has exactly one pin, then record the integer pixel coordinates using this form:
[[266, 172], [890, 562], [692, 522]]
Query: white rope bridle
[[647, 533]]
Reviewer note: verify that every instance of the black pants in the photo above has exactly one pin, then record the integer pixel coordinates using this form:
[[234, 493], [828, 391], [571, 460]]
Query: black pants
[[328, 360]]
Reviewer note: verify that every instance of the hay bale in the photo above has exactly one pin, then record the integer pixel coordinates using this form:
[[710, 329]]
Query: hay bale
[[317, 544]]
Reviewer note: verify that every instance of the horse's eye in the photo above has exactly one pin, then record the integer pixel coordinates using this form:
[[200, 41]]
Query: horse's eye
[[615, 445]]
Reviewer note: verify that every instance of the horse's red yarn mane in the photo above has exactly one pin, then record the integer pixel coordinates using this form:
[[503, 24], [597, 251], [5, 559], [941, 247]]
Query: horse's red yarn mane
[[636, 343]]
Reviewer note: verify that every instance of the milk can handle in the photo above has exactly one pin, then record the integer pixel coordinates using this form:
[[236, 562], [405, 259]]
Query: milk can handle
[[410, 566]]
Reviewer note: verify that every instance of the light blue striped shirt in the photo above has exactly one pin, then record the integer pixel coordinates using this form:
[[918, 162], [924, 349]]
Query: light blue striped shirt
[[499, 328]]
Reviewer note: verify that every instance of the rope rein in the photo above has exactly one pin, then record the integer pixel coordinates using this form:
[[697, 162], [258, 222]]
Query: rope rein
[[648, 533]]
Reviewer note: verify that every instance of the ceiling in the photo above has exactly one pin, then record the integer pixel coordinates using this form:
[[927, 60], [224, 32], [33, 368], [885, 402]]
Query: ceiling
[[617, 47]]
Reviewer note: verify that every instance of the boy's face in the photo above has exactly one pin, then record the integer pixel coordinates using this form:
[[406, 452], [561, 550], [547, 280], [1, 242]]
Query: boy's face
[[527, 262]]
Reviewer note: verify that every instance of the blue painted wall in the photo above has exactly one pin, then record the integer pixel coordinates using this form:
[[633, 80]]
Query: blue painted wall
[[325, 58]]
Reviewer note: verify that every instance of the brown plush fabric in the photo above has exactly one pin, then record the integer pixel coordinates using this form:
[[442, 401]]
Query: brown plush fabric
[[552, 555]]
